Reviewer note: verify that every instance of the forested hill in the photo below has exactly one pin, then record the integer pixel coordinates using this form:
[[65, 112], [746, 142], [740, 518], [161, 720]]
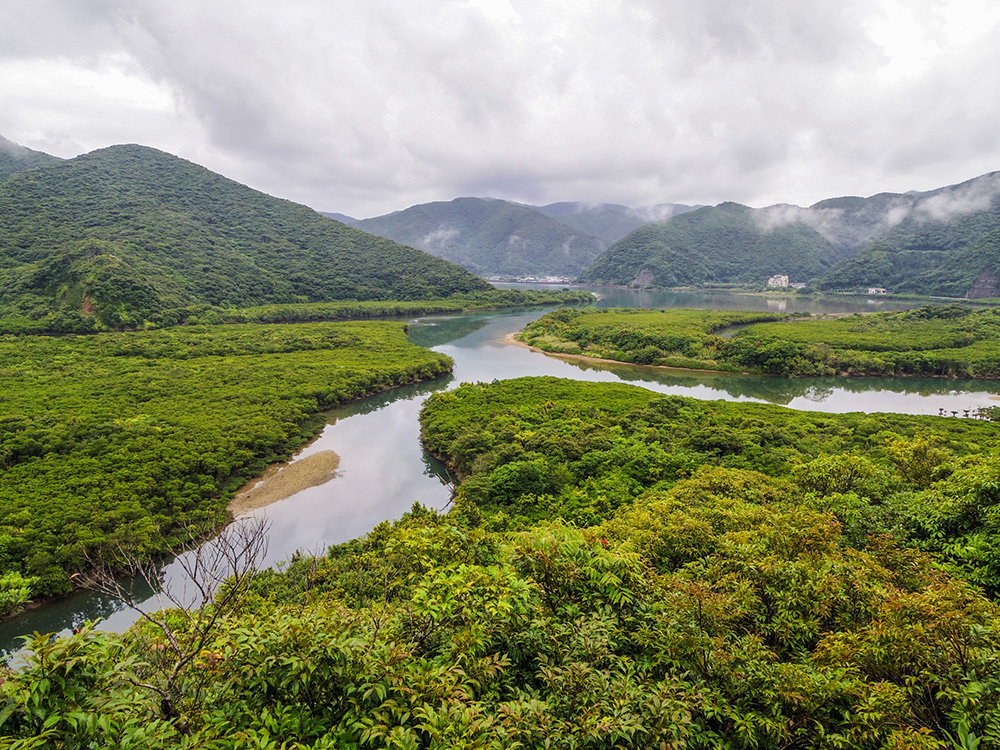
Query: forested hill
[[943, 242], [490, 237], [15, 158], [728, 243], [610, 221], [128, 232]]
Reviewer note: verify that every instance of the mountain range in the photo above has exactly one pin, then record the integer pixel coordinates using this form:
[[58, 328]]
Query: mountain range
[[127, 233], [939, 242], [493, 237]]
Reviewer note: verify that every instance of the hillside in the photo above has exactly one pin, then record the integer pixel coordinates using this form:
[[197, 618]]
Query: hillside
[[609, 221], [15, 158], [941, 242], [945, 242], [490, 237], [728, 243], [128, 232]]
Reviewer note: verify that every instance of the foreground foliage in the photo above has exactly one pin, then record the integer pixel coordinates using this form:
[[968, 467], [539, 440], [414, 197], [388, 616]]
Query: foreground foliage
[[948, 341], [622, 570], [123, 439]]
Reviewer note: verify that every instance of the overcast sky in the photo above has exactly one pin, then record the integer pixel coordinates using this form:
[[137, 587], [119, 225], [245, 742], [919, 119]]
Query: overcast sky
[[369, 106]]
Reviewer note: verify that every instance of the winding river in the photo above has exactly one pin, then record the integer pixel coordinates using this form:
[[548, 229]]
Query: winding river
[[383, 470]]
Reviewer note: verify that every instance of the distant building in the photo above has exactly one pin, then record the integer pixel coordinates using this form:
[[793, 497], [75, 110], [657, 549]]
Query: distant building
[[877, 290], [778, 280]]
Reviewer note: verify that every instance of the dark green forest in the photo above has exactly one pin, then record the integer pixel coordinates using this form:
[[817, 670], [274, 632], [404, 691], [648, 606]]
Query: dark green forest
[[621, 569], [934, 341], [139, 439], [942, 242], [15, 158], [122, 235], [723, 244]]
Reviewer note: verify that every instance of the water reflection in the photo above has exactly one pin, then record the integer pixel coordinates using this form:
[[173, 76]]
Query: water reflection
[[817, 391]]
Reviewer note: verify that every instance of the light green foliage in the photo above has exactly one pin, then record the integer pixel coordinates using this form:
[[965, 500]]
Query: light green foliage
[[125, 438], [773, 635], [949, 341], [15, 590]]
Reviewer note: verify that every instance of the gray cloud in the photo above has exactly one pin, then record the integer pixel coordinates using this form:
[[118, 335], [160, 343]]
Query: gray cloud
[[367, 108]]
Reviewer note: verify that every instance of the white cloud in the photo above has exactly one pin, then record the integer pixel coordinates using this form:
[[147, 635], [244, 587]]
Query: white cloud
[[369, 107], [961, 200]]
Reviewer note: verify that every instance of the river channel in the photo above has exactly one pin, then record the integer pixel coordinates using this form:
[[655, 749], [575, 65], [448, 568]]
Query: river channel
[[383, 470]]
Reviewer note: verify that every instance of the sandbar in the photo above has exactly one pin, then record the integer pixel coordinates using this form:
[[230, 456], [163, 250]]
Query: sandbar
[[281, 481]]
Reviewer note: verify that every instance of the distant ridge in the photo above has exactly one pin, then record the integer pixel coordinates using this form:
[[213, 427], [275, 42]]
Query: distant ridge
[[490, 237], [610, 221], [494, 237], [15, 158], [127, 233], [939, 242]]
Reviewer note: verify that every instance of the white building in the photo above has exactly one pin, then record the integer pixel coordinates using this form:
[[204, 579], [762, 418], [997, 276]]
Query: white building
[[877, 290], [778, 280]]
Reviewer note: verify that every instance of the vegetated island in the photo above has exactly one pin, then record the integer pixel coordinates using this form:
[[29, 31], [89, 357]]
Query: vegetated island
[[621, 569], [931, 341]]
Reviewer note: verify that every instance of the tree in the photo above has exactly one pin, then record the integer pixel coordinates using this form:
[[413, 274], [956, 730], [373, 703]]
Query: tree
[[217, 575]]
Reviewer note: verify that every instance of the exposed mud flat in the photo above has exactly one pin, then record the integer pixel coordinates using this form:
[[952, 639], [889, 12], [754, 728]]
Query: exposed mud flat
[[281, 481]]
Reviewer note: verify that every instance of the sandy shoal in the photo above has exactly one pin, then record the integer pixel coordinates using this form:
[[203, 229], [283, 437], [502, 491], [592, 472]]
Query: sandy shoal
[[281, 481]]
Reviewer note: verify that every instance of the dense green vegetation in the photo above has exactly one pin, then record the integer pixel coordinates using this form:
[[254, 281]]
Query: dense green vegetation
[[490, 237], [721, 244], [942, 242], [128, 233], [945, 261], [948, 341], [306, 311], [621, 569], [15, 158], [127, 438], [673, 338]]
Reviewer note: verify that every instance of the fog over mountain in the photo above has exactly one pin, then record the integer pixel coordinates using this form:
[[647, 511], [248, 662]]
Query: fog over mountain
[[942, 242], [366, 107]]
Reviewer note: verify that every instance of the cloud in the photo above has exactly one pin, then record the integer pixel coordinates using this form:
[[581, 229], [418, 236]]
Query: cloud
[[961, 200], [828, 222], [439, 239], [369, 107]]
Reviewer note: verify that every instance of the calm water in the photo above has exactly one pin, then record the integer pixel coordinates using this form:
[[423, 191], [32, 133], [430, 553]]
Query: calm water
[[384, 470]]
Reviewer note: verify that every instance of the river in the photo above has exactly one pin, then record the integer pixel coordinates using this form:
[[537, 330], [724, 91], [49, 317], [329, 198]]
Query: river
[[383, 469]]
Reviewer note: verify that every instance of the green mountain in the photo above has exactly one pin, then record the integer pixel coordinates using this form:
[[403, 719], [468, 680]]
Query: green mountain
[[940, 242], [490, 237], [944, 242], [728, 243], [127, 233], [610, 221], [15, 158]]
